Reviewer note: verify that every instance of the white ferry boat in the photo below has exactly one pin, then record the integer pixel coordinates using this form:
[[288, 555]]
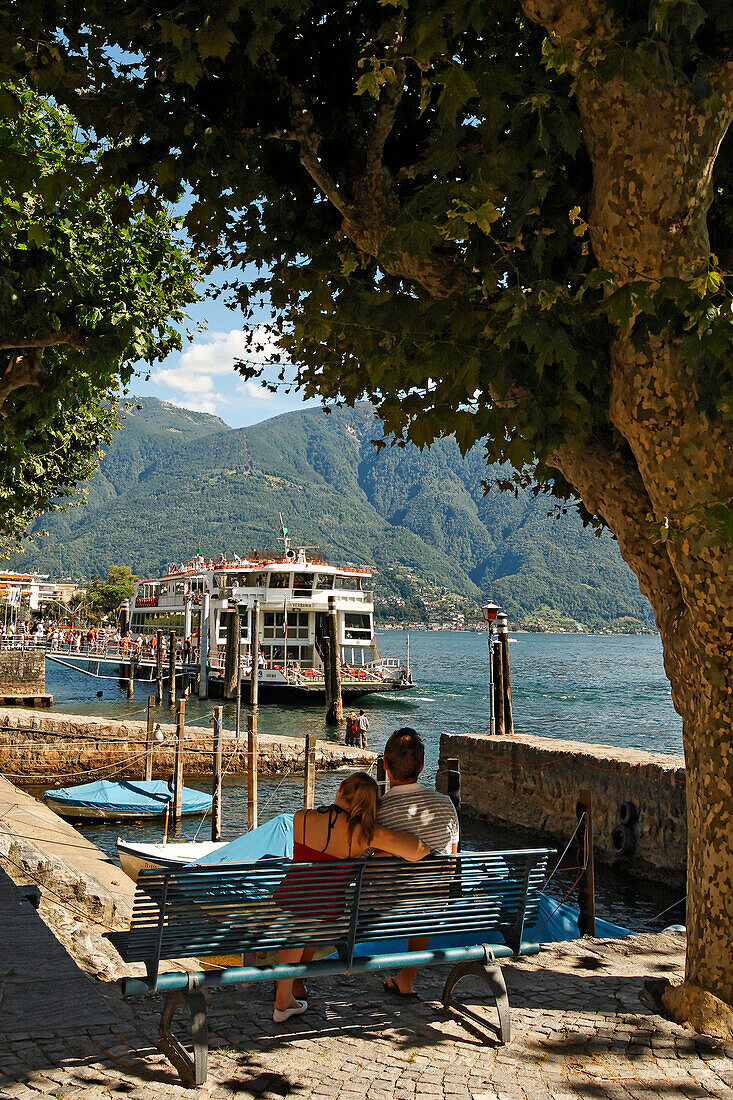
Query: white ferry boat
[[293, 587]]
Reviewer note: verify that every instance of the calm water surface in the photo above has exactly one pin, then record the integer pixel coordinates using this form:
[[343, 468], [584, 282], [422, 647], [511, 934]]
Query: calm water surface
[[609, 689]]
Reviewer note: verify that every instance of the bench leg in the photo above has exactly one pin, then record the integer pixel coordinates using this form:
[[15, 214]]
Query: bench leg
[[192, 1071], [490, 974]]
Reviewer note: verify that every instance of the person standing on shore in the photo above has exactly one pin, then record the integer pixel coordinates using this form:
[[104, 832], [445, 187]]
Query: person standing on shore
[[362, 723]]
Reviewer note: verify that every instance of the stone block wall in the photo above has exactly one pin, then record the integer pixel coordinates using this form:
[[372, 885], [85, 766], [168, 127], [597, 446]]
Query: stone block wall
[[22, 672], [531, 784]]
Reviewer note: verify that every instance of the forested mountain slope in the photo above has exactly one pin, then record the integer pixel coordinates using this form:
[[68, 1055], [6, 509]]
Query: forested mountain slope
[[176, 480]]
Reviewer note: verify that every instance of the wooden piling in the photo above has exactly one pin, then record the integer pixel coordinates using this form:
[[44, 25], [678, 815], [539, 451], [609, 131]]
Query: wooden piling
[[335, 709], [204, 646], [178, 760], [587, 882], [231, 654], [150, 739], [453, 784], [499, 709], [254, 649], [159, 667], [216, 778], [503, 632], [172, 668], [131, 680], [381, 776], [309, 779], [252, 755]]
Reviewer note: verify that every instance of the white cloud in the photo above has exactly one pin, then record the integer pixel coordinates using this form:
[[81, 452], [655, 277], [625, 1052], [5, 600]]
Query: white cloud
[[193, 376], [255, 390]]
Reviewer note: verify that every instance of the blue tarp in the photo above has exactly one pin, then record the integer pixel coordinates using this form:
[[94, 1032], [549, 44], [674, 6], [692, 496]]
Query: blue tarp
[[273, 840], [131, 797], [553, 926]]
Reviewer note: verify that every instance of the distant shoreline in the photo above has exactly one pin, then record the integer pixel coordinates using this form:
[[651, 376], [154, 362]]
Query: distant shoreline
[[587, 633]]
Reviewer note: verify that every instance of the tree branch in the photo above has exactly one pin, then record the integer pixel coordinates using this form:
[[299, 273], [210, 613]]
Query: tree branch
[[306, 132], [22, 370], [69, 335], [581, 21]]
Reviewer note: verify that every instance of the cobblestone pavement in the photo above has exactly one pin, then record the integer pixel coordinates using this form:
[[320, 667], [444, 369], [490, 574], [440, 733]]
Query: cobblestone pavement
[[580, 1030]]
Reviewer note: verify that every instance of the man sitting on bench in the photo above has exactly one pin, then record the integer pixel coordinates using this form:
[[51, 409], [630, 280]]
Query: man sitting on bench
[[409, 807]]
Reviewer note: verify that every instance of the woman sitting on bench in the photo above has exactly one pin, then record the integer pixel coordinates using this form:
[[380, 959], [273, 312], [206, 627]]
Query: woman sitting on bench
[[344, 830]]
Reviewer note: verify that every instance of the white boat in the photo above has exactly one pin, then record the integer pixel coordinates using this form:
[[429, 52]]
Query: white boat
[[273, 840], [295, 590], [135, 857]]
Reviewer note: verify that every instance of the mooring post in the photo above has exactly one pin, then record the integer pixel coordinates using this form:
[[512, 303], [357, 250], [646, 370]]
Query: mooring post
[[335, 711], [231, 654], [254, 649], [204, 646], [587, 882], [499, 688], [503, 631], [381, 776], [150, 741], [453, 784], [131, 680], [159, 667], [172, 668], [216, 778], [309, 779], [178, 761], [252, 755]]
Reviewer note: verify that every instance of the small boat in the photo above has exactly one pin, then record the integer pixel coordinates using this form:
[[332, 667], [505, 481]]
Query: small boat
[[112, 800], [274, 840], [136, 857]]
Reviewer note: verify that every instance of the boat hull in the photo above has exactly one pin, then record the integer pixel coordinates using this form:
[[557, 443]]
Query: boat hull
[[137, 857], [123, 800], [274, 692], [97, 813]]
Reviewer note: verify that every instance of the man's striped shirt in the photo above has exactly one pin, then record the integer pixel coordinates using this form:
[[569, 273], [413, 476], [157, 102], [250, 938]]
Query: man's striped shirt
[[412, 808]]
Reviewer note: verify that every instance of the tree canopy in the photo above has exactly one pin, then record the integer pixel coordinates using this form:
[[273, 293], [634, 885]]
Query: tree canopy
[[88, 287], [105, 596]]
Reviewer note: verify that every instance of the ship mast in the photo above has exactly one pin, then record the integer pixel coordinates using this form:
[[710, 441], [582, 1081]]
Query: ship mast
[[283, 537]]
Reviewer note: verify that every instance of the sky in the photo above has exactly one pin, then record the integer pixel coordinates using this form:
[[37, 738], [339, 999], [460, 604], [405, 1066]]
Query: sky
[[202, 376]]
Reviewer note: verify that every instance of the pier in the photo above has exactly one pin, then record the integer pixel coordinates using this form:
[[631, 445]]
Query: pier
[[37, 744], [532, 785]]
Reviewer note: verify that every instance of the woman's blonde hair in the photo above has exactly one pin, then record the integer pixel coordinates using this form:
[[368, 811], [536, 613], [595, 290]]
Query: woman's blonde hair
[[361, 793]]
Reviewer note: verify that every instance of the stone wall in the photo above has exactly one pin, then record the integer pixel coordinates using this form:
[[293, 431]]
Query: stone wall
[[22, 672], [36, 745], [531, 784]]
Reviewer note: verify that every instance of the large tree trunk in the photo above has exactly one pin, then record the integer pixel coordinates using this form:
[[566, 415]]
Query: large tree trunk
[[653, 152]]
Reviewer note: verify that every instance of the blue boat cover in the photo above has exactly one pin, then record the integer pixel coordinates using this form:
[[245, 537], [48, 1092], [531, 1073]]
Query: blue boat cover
[[129, 796], [272, 840]]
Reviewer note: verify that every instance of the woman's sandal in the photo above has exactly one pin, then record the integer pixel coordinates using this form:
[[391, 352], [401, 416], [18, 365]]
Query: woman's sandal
[[391, 986], [280, 1015]]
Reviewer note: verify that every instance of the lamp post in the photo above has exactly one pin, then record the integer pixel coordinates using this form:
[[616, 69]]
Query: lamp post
[[489, 612]]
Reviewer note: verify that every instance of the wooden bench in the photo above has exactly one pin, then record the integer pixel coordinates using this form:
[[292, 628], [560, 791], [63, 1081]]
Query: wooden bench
[[462, 902]]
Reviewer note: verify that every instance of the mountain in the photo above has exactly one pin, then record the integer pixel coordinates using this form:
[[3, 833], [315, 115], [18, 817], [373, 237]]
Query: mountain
[[175, 480]]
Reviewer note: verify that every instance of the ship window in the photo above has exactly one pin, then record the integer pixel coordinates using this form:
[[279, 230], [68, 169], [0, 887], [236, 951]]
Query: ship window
[[279, 580], [347, 584], [357, 627], [324, 581], [302, 584]]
